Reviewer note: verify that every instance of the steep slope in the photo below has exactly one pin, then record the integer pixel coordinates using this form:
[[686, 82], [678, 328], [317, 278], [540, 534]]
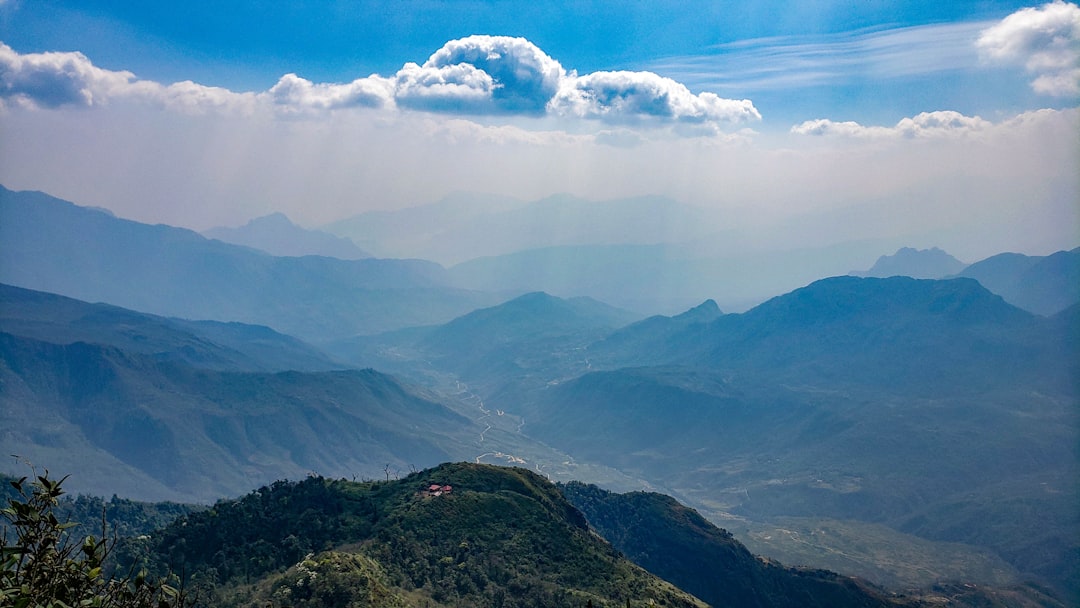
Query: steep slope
[[208, 344], [495, 537], [674, 542], [1041, 284], [134, 425], [277, 235], [915, 263], [56, 246]]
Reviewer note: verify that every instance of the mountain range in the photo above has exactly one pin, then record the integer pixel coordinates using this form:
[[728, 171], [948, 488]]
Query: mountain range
[[277, 235], [1044, 285], [55, 246], [466, 226], [861, 424]]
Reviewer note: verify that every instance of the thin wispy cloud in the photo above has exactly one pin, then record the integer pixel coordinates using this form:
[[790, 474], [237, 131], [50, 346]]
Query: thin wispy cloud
[[801, 61]]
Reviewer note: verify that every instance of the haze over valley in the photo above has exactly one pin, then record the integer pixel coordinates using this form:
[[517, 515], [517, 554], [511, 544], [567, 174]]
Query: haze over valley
[[753, 307]]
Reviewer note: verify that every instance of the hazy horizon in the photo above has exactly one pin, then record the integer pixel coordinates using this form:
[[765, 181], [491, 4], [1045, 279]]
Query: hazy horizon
[[797, 125]]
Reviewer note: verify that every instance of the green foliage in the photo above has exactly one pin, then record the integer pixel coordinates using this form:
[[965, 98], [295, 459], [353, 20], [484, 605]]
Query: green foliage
[[45, 566], [502, 537], [335, 580]]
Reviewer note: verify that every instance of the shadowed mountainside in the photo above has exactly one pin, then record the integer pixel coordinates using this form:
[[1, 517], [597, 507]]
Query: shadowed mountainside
[[1044, 285], [207, 344], [135, 425]]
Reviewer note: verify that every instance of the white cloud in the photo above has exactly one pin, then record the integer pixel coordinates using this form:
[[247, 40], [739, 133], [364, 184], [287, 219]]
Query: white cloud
[[453, 88], [621, 97], [492, 76], [784, 62], [942, 123], [484, 74], [1045, 40], [293, 93], [51, 80]]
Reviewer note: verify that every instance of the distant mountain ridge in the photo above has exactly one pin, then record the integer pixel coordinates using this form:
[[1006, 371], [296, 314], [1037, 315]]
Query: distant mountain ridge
[[897, 330], [473, 226], [1044, 285], [277, 235], [207, 344], [55, 246], [930, 263]]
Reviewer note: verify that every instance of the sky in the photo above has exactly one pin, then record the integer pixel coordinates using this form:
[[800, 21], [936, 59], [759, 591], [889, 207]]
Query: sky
[[951, 124]]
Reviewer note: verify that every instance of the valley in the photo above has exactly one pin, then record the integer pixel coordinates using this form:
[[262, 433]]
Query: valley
[[911, 432]]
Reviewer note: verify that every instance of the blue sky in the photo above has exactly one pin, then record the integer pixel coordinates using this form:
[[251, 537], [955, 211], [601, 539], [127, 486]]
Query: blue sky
[[719, 46], [761, 110]]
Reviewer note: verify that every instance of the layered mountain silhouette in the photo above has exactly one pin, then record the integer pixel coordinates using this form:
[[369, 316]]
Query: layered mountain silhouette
[[277, 235], [164, 430], [864, 399], [930, 263], [1044, 285], [55, 246], [207, 344], [890, 410], [463, 227]]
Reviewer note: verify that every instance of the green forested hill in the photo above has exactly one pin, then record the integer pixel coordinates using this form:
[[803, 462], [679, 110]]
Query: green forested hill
[[496, 537]]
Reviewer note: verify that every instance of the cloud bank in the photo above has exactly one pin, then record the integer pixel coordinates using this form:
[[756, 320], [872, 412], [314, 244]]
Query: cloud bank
[[1045, 40], [944, 123], [477, 76]]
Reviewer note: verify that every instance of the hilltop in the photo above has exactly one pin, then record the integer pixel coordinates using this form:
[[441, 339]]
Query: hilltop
[[494, 537]]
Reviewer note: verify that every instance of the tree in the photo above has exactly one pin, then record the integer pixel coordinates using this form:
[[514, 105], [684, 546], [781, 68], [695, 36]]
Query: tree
[[42, 565]]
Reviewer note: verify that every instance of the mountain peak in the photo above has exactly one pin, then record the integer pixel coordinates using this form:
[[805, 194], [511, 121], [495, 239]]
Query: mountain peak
[[277, 235], [274, 219], [932, 263], [704, 312], [848, 298]]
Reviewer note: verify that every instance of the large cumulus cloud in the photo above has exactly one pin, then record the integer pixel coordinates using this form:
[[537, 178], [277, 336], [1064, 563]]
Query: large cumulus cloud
[[482, 74], [620, 97], [52, 80], [1046, 40], [55, 79], [476, 75]]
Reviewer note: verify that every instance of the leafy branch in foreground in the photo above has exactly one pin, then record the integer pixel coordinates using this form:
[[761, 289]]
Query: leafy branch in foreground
[[43, 566]]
